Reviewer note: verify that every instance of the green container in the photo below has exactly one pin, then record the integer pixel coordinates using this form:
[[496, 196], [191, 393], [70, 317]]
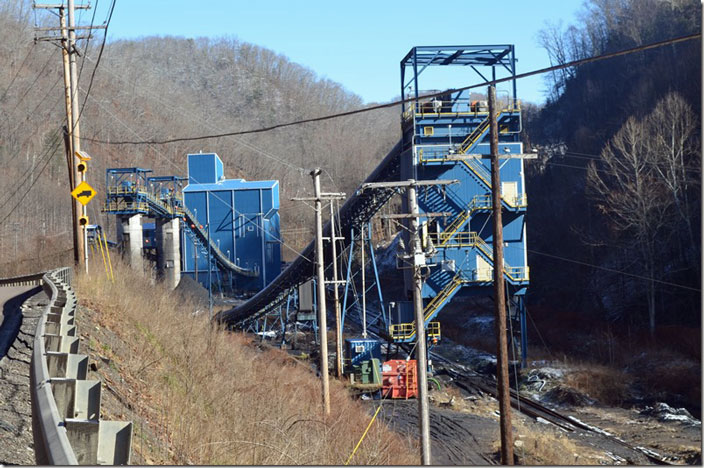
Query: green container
[[370, 372]]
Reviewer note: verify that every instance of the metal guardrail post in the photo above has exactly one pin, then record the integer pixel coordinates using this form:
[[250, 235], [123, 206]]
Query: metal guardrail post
[[66, 407]]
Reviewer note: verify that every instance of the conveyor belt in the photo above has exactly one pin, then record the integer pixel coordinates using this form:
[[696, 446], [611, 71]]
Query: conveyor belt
[[358, 209], [220, 257]]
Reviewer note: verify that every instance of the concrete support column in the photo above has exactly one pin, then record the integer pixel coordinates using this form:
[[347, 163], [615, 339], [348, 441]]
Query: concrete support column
[[168, 253], [129, 237]]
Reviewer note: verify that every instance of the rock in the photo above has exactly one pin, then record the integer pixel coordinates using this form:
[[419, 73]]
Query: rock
[[517, 444], [95, 365], [4, 425], [664, 412]]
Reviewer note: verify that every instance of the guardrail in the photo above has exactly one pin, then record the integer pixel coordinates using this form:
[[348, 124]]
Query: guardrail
[[66, 423]]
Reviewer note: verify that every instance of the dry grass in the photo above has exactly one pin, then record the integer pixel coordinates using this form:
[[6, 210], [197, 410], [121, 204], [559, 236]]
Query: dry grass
[[604, 384], [538, 446], [221, 399]]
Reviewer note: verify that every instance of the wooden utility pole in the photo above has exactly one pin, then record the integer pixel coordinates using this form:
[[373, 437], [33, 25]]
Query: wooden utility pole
[[75, 127], [320, 273], [336, 296], [499, 291], [421, 352], [67, 38], [418, 260], [69, 126]]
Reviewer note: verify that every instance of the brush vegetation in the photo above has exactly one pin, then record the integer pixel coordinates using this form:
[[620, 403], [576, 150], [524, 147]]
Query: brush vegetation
[[220, 397]]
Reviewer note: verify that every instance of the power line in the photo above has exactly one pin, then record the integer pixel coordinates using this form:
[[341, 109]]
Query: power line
[[596, 158], [12, 81], [400, 101], [85, 51], [97, 63], [36, 78], [52, 151], [578, 262], [301, 170], [15, 190], [225, 202]]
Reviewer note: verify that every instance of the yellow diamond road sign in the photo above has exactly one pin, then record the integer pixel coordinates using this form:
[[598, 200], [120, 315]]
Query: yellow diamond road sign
[[83, 193]]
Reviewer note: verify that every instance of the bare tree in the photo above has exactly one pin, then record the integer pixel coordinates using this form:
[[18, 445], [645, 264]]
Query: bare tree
[[644, 172], [672, 126]]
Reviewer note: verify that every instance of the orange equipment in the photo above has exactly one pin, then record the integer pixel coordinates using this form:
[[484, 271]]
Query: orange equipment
[[399, 379]]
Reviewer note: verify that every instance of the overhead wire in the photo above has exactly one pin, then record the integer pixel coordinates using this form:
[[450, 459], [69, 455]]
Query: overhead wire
[[397, 102], [572, 63], [225, 202], [12, 81], [612, 270], [97, 63], [597, 158], [267, 154], [15, 190], [36, 78], [50, 153], [90, 28]]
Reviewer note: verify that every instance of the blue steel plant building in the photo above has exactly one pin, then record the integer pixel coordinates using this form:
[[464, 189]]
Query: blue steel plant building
[[242, 218]]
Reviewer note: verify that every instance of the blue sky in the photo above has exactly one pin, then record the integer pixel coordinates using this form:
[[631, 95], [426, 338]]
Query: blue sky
[[359, 43]]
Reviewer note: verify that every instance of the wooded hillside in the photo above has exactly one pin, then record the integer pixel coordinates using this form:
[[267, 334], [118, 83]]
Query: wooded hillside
[[160, 88], [613, 224]]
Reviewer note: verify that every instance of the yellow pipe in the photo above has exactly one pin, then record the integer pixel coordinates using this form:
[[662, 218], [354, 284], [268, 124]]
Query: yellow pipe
[[107, 250], [102, 254]]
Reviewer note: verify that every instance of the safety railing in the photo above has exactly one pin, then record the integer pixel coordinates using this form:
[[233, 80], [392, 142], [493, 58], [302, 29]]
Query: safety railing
[[448, 153], [123, 205], [427, 107], [472, 239], [479, 202], [406, 331], [169, 205], [66, 423], [126, 190]]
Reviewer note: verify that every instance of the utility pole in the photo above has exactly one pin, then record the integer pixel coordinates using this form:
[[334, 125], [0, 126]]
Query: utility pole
[[338, 326], [421, 352], [320, 273], [320, 270], [69, 126], [75, 128], [418, 260], [67, 38], [499, 292]]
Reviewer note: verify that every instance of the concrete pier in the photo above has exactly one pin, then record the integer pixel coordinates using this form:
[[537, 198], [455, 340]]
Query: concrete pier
[[168, 260], [129, 237]]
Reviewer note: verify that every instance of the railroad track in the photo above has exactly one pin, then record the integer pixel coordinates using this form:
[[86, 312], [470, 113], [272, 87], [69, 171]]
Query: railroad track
[[471, 381]]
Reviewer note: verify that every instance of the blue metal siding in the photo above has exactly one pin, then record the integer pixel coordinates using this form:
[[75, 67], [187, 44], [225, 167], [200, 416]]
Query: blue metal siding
[[204, 168], [243, 216], [220, 219]]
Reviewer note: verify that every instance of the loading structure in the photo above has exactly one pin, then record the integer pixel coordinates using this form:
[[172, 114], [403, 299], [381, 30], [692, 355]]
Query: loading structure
[[241, 220], [446, 136], [443, 138], [187, 241]]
